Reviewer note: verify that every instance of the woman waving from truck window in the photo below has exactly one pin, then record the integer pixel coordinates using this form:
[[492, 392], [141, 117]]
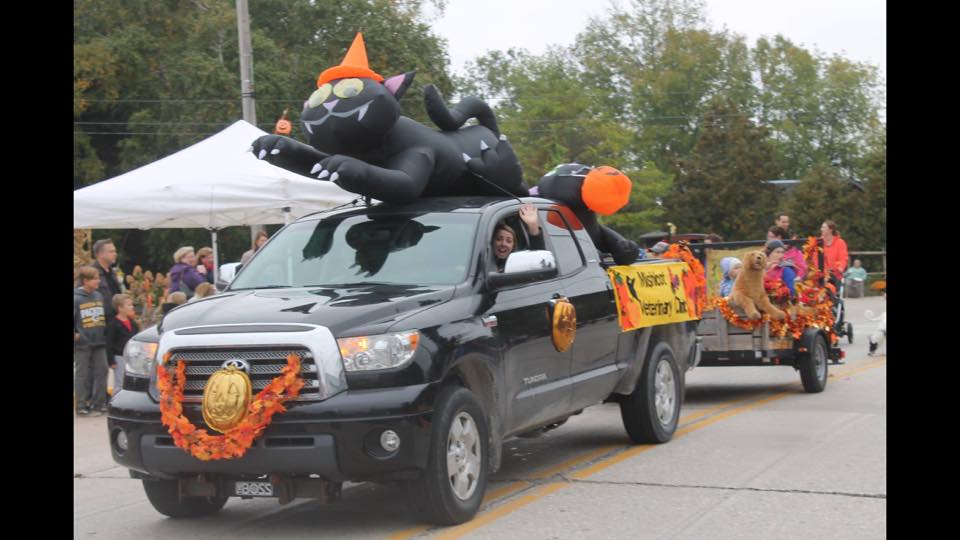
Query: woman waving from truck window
[[505, 238]]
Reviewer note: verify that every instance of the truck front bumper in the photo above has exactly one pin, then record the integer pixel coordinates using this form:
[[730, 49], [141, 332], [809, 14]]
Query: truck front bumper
[[337, 439]]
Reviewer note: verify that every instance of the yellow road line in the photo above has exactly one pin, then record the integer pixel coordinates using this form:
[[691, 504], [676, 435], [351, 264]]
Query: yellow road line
[[575, 461], [593, 454], [409, 533], [498, 512], [704, 412], [459, 531], [628, 452], [854, 371], [569, 464], [504, 491]]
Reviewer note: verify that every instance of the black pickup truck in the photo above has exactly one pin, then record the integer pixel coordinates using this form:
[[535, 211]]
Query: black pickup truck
[[419, 358]]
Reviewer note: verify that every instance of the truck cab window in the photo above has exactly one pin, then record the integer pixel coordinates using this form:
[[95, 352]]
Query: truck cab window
[[414, 249], [560, 239]]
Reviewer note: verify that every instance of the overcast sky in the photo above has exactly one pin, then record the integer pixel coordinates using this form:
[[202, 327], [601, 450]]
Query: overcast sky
[[855, 29]]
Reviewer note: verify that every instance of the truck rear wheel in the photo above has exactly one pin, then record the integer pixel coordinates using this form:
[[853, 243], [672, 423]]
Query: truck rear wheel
[[651, 413], [451, 489], [813, 363], [164, 496]]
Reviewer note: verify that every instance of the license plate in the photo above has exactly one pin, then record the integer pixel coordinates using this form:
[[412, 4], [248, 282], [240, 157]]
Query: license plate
[[253, 489]]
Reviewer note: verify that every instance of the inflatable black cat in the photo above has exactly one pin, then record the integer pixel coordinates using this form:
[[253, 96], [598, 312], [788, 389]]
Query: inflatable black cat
[[359, 141], [586, 190]]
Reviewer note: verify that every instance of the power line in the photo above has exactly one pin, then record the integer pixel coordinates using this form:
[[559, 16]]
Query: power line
[[755, 94], [140, 133], [784, 116], [187, 100]]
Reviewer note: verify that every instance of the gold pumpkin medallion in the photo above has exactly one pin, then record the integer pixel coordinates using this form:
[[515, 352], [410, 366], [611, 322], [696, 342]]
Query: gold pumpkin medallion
[[225, 398], [564, 324]]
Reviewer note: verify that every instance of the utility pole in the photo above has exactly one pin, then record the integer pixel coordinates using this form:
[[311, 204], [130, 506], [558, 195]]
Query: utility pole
[[246, 76]]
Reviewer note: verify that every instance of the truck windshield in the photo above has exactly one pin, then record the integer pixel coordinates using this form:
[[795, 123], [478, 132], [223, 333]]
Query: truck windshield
[[408, 249]]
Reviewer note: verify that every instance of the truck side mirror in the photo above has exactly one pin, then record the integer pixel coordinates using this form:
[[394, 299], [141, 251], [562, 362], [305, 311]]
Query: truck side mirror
[[525, 267], [528, 261]]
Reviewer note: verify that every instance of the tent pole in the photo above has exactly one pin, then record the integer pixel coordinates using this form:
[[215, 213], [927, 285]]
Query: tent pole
[[216, 256], [286, 215]]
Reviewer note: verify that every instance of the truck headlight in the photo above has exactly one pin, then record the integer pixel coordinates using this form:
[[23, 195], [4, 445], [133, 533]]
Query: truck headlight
[[383, 351], [138, 357]]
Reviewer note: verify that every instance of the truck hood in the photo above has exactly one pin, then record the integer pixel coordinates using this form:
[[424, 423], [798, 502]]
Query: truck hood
[[346, 311]]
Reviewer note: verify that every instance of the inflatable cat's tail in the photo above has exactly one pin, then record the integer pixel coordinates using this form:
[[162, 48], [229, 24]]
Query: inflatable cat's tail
[[451, 119]]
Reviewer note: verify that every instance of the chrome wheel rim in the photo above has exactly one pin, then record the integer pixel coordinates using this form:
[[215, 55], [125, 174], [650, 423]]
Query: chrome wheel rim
[[665, 393], [463, 456], [820, 361]]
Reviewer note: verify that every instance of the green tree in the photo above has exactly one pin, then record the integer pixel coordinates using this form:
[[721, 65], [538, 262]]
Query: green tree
[[644, 213], [720, 186], [547, 113], [661, 69], [819, 109], [858, 208], [823, 194], [872, 227]]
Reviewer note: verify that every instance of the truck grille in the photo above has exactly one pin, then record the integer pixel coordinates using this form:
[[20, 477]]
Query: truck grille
[[265, 365]]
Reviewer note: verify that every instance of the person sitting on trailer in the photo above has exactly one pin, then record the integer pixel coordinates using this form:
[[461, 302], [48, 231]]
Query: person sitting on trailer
[[779, 268]]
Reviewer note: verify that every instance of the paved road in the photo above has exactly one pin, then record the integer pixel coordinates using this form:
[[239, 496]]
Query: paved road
[[755, 457]]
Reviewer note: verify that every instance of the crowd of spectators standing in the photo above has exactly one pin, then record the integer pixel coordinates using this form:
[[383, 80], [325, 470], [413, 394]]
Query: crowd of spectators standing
[[105, 317]]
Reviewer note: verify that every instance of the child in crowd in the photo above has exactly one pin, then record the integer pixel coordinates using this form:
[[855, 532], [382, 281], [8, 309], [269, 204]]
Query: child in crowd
[[203, 290], [119, 331], [89, 347], [174, 299], [730, 266]]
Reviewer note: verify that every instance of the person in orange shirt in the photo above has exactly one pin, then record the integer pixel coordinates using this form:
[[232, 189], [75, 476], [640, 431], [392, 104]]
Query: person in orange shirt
[[834, 249]]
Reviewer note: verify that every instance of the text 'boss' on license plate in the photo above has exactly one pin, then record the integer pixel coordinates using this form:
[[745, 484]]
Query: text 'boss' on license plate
[[253, 489]]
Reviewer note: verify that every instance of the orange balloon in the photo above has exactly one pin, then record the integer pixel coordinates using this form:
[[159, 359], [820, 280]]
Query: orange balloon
[[606, 190]]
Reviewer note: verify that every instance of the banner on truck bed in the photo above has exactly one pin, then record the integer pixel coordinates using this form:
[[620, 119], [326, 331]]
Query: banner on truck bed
[[652, 294]]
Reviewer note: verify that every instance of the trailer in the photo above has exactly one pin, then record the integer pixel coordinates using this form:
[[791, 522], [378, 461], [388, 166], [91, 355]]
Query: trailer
[[722, 343]]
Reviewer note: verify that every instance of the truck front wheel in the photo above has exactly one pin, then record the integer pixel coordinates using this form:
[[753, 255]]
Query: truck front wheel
[[165, 498], [651, 413], [451, 488]]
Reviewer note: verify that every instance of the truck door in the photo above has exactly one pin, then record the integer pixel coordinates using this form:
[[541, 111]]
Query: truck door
[[593, 369], [536, 375]]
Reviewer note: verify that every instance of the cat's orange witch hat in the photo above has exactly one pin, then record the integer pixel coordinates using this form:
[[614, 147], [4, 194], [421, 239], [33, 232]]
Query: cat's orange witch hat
[[354, 65]]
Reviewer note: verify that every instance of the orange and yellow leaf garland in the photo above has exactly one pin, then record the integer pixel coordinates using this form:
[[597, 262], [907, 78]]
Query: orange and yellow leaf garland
[[236, 441], [821, 318], [682, 251]]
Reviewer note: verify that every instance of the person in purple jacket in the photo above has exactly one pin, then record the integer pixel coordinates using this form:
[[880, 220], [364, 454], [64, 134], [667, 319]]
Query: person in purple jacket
[[185, 274]]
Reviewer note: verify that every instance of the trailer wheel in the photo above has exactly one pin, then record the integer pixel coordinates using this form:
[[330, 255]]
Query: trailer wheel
[[813, 363], [651, 413], [850, 333], [165, 498], [451, 488]]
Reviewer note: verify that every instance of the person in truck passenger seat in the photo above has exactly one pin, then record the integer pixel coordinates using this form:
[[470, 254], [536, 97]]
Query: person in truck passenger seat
[[505, 238]]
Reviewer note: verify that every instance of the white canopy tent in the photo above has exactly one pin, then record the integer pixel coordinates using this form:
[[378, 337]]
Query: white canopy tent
[[213, 184]]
